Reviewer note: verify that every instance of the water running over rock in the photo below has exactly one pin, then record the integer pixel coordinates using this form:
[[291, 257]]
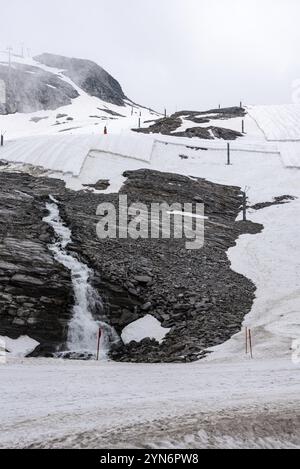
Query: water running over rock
[[83, 328]]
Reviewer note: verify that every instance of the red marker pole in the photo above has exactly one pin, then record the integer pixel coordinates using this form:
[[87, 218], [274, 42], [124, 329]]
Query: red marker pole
[[98, 343], [250, 343]]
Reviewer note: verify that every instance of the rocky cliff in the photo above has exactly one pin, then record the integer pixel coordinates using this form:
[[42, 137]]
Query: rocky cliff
[[35, 291], [30, 88], [89, 76], [171, 125], [194, 293]]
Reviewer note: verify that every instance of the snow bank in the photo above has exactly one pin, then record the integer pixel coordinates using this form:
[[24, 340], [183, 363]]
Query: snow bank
[[267, 258], [147, 327], [87, 114], [20, 347]]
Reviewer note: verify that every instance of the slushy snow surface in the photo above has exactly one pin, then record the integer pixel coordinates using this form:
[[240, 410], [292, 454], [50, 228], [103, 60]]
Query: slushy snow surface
[[58, 404]]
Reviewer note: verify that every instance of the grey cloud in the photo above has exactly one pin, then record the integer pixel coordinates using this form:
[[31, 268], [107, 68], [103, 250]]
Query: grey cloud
[[173, 53]]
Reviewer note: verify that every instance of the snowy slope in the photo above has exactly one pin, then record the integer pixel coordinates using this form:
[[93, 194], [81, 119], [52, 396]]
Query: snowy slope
[[70, 152], [89, 114], [60, 140]]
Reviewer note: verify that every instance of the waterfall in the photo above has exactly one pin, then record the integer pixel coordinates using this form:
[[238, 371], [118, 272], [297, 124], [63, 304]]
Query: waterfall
[[83, 328]]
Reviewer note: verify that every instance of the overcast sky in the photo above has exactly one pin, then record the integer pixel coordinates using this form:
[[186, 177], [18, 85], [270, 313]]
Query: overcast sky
[[175, 53]]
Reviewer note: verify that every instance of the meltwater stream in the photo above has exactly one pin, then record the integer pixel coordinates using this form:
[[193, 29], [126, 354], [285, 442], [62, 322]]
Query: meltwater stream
[[83, 328]]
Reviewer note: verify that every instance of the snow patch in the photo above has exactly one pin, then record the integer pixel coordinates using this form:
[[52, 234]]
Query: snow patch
[[147, 327], [20, 347]]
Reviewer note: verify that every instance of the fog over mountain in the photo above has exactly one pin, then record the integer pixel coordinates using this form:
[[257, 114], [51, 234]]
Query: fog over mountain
[[89, 76], [30, 88], [191, 54]]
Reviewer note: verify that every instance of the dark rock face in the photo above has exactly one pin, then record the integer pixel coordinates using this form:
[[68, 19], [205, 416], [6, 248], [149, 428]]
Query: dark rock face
[[225, 134], [111, 112], [35, 291], [200, 132], [195, 293], [164, 126], [283, 199], [207, 132], [169, 125], [87, 75], [30, 89], [100, 185], [220, 113]]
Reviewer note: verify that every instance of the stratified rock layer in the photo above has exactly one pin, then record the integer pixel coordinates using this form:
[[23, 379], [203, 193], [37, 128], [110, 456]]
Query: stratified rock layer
[[195, 293], [30, 89], [35, 291]]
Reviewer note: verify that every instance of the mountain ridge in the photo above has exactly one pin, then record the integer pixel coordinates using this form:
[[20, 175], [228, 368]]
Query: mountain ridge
[[49, 81], [88, 75]]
